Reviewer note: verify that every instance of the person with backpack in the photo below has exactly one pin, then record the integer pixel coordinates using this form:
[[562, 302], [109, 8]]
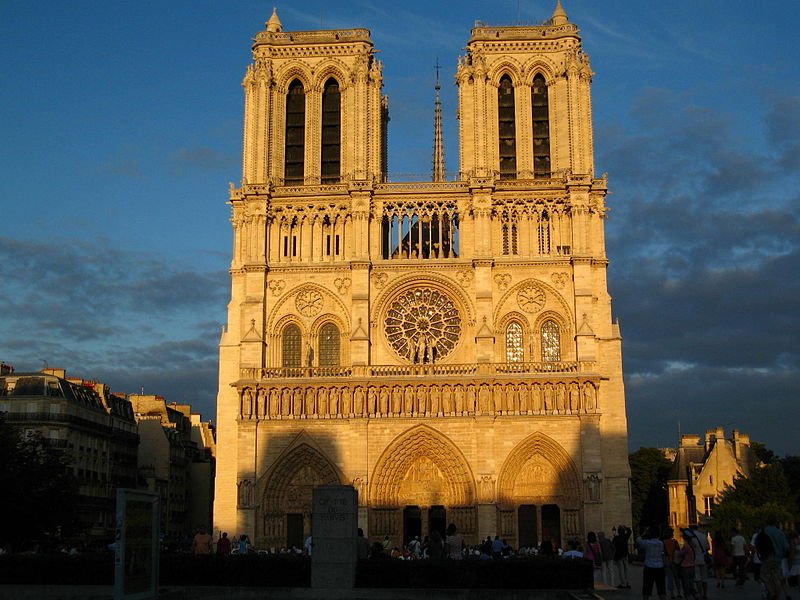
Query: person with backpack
[[700, 548], [684, 559], [772, 547], [620, 542]]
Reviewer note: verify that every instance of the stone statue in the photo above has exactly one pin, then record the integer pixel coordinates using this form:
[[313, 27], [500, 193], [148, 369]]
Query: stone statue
[[372, 401], [459, 399], [274, 403], [297, 402], [286, 402], [358, 401], [522, 394], [408, 400], [447, 400], [499, 399], [470, 400], [484, 400], [574, 398], [346, 402], [435, 407], [309, 402], [536, 400], [549, 400], [322, 400], [561, 398], [589, 397], [397, 400], [334, 401], [383, 399]]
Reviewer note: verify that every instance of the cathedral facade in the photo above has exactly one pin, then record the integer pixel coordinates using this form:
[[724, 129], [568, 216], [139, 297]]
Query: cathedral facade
[[446, 347]]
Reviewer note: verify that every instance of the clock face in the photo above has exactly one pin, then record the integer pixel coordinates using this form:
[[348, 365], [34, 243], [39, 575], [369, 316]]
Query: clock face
[[531, 299], [423, 322], [308, 302]]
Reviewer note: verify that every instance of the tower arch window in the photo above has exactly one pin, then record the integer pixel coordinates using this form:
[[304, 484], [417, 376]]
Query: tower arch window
[[291, 346], [329, 345], [541, 128], [294, 163], [510, 232], [331, 132], [551, 341], [544, 233], [515, 349], [507, 129]]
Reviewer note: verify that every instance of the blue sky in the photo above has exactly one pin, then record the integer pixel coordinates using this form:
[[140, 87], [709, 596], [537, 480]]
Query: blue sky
[[122, 126]]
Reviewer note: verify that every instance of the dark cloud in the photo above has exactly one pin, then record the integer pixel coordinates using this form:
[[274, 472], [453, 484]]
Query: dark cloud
[[704, 238]]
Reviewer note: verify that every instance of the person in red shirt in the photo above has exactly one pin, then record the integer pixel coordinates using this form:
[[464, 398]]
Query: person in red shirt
[[224, 545]]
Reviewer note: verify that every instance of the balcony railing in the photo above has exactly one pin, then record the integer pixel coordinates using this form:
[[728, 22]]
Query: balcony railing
[[416, 370]]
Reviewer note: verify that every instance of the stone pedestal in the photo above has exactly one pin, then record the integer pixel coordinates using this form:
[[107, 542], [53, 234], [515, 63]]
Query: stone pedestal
[[334, 529]]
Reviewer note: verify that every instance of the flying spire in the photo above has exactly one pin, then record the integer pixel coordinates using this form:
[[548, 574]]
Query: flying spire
[[559, 15], [438, 143], [274, 23]]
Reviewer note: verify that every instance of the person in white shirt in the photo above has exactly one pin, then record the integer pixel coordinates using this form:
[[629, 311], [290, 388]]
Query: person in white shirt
[[739, 553]]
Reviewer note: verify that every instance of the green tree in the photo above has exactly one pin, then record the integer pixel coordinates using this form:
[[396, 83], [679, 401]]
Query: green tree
[[649, 473], [750, 500], [39, 489]]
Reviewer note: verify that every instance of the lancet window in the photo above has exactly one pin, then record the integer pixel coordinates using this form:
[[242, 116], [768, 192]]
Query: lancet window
[[515, 349], [294, 164], [551, 341], [510, 229], [541, 128], [544, 233], [420, 230], [291, 346], [507, 129], [331, 132], [329, 345]]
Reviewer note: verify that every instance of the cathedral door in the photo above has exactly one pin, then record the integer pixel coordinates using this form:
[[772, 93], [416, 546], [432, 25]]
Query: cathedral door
[[551, 524], [437, 520], [294, 530], [528, 529], [412, 523]]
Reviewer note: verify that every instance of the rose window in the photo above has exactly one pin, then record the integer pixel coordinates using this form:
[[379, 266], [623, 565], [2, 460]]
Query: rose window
[[423, 325]]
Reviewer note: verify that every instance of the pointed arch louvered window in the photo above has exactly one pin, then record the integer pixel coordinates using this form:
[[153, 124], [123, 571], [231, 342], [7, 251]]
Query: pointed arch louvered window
[[294, 164], [331, 132], [541, 128], [507, 128]]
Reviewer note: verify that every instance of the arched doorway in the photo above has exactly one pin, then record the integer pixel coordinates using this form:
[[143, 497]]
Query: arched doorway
[[539, 481], [286, 497], [421, 476]]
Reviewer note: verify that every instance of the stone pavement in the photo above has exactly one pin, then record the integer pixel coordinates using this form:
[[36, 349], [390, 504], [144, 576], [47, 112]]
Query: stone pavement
[[751, 590]]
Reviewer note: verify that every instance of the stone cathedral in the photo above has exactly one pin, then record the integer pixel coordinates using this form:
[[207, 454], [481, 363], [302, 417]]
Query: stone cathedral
[[446, 346]]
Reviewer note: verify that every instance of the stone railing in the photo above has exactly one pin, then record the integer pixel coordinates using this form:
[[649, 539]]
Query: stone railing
[[416, 370]]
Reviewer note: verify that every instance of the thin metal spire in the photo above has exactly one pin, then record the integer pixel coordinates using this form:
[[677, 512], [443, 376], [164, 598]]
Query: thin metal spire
[[438, 142]]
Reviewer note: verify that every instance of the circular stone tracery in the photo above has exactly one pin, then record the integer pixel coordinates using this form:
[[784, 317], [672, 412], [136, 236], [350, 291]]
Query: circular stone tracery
[[423, 325]]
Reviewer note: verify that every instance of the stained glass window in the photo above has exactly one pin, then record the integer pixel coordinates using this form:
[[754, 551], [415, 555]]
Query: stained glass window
[[423, 325], [515, 350], [329, 340], [292, 345], [551, 341]]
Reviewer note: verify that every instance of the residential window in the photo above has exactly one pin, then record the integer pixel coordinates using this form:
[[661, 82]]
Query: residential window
[[708, 505]]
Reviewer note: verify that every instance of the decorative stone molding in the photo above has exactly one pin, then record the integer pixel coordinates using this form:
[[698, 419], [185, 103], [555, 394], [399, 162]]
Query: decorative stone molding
[[531, 298], [342, 284], [276, 286], [308, 302], [503, 280], [559, 280], [464, 278], [245, 490], [380, 279], [593, 486]]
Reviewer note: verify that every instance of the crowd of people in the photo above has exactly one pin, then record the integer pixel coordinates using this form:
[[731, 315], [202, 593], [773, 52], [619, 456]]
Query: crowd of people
[[682, 563]]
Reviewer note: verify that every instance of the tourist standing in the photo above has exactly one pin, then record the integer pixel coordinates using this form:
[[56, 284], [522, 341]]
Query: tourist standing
[[739, 552], [454, 543], [671, 569], [201, 544], [224, 545], [620, 541], [653, 549], [607, 557], [700, 548], [686, 565], [721, 559]]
